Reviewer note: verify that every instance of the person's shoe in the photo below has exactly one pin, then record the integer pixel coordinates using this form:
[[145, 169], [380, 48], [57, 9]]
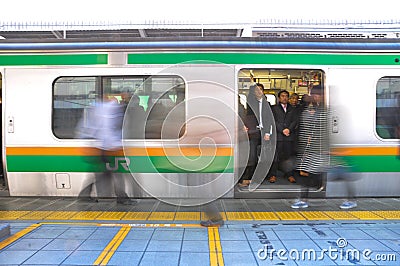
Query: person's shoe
[[303, 173], [299, 205], [127, 201], [291, 179], [244, 183], [348, 205], [210, 223], [272, 179]]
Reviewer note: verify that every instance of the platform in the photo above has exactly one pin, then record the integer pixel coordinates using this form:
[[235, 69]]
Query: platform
[[67, 231]]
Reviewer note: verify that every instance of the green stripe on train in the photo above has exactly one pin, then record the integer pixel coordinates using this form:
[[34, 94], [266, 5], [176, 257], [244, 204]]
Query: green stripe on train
[[226, 58], [54, 60], [138, 164], [263, 58], [161, 164], [384, 163]]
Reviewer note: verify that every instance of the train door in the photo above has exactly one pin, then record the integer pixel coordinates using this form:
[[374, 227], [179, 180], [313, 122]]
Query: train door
[[283, 178], [3, 184]]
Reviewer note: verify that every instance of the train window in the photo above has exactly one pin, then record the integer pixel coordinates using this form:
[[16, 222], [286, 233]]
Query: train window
[[388, 108], [298, 81], [71, 96], [154, 106]]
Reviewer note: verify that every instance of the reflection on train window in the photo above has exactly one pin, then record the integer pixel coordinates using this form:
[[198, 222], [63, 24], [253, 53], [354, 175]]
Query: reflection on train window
[[154, 106], [388, 108]]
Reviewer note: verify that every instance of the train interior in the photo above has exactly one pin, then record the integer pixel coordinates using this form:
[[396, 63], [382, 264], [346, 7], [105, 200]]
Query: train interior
[[298, 81]]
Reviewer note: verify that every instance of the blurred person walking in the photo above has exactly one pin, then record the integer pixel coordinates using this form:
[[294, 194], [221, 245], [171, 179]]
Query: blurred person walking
[[340, 171], [313, 145], [105, 126]]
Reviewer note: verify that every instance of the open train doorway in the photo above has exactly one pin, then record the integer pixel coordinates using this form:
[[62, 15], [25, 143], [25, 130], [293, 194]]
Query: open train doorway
[[290, 95]]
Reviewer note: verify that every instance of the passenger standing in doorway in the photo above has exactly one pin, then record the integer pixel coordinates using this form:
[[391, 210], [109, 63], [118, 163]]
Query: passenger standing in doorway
[[297, 109], [286, 123], [294, 99], [313, 148], [259, 127]]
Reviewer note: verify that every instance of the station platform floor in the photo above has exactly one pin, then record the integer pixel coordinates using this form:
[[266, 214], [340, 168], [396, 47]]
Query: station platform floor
[[68, 231]]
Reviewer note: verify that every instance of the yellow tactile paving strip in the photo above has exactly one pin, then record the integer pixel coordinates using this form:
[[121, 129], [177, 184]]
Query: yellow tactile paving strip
[[161, 216], [36, 215], [290, 216], [391, 215], [87, 215], [139, 216], [195, 216], [264, 216], [239, 216], [12, 215], [340, 215], [315, 215], [205, 217], [187, 216], [366, 215], [60, 215], [110, 216]]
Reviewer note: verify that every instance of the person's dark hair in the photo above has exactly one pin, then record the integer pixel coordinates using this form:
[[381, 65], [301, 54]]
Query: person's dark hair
[[306, 99], [283, 91], [254, 86], [252, 90], [317, 89]]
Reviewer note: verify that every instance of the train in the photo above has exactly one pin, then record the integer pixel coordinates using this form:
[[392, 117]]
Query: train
[[194, 147]]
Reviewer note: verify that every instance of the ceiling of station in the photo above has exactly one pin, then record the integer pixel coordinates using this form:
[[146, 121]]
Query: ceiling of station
[[267, 29]]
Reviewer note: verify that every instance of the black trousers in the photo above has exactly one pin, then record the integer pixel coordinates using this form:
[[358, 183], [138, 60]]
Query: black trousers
[[105, 182], [255, 144], [284, 158], [307, 182]]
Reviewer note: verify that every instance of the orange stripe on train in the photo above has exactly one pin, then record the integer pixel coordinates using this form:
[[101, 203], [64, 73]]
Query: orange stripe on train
[[367, 151], [142, 151]]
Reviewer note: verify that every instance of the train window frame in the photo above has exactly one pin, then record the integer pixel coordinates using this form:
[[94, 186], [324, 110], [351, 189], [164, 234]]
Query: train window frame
[[99, 89], [386, 125]]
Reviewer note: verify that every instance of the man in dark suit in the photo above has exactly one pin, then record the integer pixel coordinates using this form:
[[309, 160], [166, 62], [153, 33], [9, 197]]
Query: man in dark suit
[[258, 122], [286, 121]]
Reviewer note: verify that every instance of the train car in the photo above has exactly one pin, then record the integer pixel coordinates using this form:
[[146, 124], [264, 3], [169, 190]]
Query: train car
[[192, 146]]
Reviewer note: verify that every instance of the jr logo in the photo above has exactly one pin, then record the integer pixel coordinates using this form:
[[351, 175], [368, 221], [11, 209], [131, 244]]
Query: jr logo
[[125, 162]]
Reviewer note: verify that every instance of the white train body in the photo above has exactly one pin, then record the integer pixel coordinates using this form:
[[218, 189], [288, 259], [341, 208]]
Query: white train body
[[42, 156]]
